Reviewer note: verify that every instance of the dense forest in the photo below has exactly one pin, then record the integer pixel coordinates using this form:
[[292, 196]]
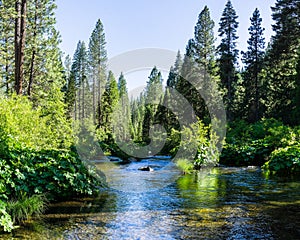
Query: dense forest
[[43, 97]]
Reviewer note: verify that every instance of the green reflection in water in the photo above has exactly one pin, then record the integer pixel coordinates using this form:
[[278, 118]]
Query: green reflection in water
[[204, 188]]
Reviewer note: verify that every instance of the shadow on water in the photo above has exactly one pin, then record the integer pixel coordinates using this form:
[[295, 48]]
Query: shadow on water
[[219, 203]]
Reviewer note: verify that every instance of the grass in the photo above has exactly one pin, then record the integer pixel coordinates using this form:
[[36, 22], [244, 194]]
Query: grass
[[26, 207]]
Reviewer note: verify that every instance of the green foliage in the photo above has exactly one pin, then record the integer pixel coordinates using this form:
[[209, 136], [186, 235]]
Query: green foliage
[[5, 219], [16, 211], [59, 174], [228, 55], [251, 144], [25, 207], [23, 126], [253, 59], [284, 161], [185, 165], [199, 137]]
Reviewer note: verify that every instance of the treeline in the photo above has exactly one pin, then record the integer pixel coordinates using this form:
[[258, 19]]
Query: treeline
[[267, 86]]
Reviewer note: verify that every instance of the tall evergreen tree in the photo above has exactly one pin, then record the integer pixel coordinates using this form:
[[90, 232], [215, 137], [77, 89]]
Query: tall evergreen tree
[[97, 63], [77, 84], [138, 113], [153, 97], [204, 49], [253, 60], [122, 123], [175, 71], [109, 102], [228, 55], [281, 61], [7, 12], [296, 112]]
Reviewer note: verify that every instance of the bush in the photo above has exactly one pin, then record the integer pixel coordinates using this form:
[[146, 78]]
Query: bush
[[5, 219], [185, 165], [60, 174], [252, 144], [23, 126], [284, 161]]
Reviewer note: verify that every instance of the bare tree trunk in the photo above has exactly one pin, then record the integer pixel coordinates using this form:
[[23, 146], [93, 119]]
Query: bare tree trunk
[[33, 55], [6, 67], [20, 34]]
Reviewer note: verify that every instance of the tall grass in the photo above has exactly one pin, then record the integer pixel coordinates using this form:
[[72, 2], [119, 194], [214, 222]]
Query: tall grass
[[26, 207]]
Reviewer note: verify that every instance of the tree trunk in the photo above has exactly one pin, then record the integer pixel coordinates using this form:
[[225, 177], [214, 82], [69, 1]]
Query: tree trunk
[[33, 55], [20, 34]]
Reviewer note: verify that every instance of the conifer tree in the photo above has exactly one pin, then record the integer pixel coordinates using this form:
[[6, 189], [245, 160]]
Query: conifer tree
[[253, 60], [77, 84], [122, 123], [228, 55], [109, 102], [281, 61], [7, 12], [153, 97], [204, 49], [97, 64], [175, 71]]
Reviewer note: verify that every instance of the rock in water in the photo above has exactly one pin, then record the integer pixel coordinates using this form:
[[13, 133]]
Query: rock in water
[[146, 168]]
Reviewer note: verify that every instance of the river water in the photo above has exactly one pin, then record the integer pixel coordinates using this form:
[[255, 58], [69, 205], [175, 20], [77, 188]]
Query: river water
[[218, 203]]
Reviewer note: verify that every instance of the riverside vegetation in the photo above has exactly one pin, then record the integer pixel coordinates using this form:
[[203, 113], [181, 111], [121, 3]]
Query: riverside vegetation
[[42, 98]]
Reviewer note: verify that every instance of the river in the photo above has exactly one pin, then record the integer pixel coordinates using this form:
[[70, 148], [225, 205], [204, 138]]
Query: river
[[215, 203]]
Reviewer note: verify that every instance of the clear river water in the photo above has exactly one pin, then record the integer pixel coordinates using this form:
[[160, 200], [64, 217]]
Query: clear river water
[[214, 203]]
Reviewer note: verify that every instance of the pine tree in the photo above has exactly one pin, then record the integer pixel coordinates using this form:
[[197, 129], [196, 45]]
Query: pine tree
[[153, 97], [174, 71], [76, 91], [109, 102], [253, 60], [281, 61], [138, 113], [296, 103], [204, 49], [228, 55], [97, 63], [122, 123], [204, 56], [7, 11]]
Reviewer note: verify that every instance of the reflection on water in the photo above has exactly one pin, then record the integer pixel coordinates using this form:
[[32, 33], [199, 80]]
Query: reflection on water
[[219, 203]]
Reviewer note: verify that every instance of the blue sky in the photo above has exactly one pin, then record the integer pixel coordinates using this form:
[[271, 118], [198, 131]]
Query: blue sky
[[135, 24]]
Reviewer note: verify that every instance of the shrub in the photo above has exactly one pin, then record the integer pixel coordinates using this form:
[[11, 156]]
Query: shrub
[[23, 126], [284, 161], [252, 144], [185, 165], [60, 174], [5, 219]]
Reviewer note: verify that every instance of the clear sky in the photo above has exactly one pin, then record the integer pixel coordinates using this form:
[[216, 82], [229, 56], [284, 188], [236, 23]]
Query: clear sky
[[135, 24]]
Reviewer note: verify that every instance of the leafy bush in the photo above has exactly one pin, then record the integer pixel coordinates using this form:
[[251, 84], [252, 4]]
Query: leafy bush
[[60, 174], [185, 165], [5, 219], [200, 138], [284, 161], [252, 144], [21, 125]]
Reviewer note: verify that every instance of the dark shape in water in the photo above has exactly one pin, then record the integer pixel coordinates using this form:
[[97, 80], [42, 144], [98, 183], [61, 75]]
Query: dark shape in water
[[146, 168]]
